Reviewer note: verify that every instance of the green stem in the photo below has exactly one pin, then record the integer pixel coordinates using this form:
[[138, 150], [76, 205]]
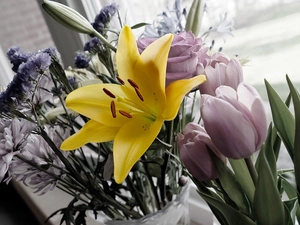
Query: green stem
[[98, 35], [252, 170], [137, 196], [154, 192]]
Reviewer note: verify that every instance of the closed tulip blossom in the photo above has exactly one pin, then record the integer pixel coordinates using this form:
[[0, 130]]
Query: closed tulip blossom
[[187, 57], [194, 149], [221, 71], [235, 120]]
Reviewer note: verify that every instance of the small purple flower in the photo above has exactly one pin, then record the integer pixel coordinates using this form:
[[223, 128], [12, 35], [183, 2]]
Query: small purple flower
[[93, 45], [17, 57], [235, 120], [104, 17], [82, 60]]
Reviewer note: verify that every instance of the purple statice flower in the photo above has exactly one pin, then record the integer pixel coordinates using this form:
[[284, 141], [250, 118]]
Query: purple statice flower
[[93, 45], [103, 18], [13, 137], [21, 87], [17, 57], [15, 92], [82, 60], [39, 153], [36, 64], [52, 52]]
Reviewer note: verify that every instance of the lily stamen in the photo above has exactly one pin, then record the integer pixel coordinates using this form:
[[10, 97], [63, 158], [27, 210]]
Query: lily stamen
[[120, 80], [133, 84], [139, 94], [108, 93], [126, 114], [113, 109]]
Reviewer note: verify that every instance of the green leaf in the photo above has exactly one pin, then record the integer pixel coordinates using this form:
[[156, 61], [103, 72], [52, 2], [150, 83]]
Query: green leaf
[[290, 207], [296, 102], [225, 213], [232, 186], [270, 157], [243, 176], [138, 25], [288, 183], [267, 205], [283, 119]]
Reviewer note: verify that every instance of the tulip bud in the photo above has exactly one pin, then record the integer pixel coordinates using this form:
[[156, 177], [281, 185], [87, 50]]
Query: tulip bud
[[195, 149], [235, 120], [221, 71]]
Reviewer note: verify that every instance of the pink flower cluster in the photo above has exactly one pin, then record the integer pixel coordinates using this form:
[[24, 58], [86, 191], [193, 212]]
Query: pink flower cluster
[[232, 112]]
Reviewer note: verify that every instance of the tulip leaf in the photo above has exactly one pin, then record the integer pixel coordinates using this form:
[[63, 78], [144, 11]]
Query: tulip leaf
[[283, 119], [291, 207], [243, 176], [276, 141], [231, 186], [267, 205], [296, 159], [288, 183], [270, 157], [225, 213]]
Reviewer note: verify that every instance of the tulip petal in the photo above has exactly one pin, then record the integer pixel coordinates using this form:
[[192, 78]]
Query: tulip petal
[[231, 132], [175, 93], [249, 96], [92, 131], [131, 142]]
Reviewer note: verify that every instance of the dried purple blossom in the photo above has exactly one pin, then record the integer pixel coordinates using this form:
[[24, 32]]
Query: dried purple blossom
[[103, 18], [82, 60], [17, 57], [93, 45], [40, 154]]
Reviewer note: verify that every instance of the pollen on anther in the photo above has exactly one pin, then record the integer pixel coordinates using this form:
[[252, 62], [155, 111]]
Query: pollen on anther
[[120, 80], [139, 94], [133, 84], [113, 109], [108, 93], [126, 114]]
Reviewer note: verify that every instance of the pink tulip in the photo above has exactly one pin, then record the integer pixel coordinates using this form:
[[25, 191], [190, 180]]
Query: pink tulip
[[194, 148], [235, 120], [221, 71]]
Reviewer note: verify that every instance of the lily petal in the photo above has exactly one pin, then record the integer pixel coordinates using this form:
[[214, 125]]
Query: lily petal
[[175, 93], [92, 131], [127, 54], [131, 142], [91, 101]]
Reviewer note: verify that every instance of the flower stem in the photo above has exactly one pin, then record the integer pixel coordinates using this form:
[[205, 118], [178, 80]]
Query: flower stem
[[98, 35], [251, 169]]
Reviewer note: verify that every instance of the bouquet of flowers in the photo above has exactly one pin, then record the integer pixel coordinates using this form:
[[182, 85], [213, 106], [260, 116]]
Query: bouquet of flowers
[[122, 131]]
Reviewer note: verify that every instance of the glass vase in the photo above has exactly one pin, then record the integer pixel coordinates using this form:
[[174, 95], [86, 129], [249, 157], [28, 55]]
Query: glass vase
[[175, 212]]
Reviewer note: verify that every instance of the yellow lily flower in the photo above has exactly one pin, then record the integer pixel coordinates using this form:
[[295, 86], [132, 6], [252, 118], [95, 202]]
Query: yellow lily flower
[[130, 113]]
